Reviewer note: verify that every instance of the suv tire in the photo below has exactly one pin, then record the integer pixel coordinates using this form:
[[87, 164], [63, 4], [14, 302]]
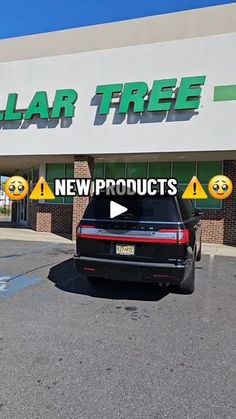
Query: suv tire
[[188, 285]]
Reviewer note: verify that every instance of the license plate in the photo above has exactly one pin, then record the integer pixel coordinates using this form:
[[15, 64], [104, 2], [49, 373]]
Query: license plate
[[125, 250]]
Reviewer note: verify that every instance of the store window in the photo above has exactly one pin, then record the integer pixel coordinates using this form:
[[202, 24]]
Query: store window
[[59, 170], [160, 170], [137, 170], [182, 171], [115, 170], [99, 170]]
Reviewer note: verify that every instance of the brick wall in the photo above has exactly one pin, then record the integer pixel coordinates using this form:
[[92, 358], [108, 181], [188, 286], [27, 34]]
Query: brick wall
[[83, 168], [55, 218], [219, 226]]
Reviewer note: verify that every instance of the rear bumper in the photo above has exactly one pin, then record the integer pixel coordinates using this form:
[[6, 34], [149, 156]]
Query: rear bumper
[[132, 271]]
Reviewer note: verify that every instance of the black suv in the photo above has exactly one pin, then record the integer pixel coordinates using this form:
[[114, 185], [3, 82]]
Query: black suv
[[158, 239]]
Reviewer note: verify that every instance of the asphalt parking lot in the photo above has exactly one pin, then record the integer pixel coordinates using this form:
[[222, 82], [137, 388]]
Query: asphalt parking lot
[[69, 350]]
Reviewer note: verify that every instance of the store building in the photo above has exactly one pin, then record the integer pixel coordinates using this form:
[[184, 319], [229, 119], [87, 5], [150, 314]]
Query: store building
[[146, 97]]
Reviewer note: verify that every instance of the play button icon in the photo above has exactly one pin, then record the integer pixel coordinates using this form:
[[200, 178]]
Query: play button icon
[[116, 209]]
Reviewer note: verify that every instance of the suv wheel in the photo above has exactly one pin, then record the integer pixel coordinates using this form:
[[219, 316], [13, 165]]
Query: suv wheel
[[188, 285]]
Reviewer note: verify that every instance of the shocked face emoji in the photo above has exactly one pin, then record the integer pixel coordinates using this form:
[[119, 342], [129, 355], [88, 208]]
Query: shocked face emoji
[[16, 188], [220, 187]]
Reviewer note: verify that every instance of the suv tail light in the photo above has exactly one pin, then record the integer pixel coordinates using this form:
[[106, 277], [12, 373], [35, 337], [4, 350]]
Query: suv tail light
[[166, 236], [174, 236]]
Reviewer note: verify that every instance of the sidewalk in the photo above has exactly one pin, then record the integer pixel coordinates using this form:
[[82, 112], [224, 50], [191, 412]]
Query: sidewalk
[[218, 250], [11, 233]]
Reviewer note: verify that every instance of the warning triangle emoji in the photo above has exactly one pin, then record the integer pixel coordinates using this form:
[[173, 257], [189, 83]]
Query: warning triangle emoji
[[194, 190], [42, 190]]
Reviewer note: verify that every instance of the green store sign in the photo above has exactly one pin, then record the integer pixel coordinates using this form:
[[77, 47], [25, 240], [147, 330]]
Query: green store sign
[[64, 102], [160, 98], [164, 95]]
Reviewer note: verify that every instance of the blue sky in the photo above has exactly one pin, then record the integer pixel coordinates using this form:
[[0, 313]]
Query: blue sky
[[24, 17]]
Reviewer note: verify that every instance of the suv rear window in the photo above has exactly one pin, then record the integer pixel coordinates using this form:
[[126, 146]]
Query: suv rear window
[[161, 208]]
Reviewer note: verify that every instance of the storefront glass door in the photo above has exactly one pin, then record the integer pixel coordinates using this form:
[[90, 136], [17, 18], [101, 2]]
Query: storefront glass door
[[22, 207]]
